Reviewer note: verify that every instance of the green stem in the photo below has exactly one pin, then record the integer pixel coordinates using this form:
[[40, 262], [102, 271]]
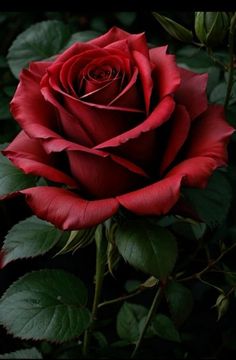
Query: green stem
[[231, 57], [150, 315], [209, 266], [101, 247], [121, 298]]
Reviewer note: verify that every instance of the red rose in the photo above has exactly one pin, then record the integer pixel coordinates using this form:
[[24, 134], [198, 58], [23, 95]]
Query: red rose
[[115, 124]]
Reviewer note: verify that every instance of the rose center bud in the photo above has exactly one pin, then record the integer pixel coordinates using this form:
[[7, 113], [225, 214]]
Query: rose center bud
[[99, 74], [102, 73], [100, 84]]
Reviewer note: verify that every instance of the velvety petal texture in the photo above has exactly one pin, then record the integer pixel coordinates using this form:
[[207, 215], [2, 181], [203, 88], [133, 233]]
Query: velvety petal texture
[[114, 124], [67, 210]]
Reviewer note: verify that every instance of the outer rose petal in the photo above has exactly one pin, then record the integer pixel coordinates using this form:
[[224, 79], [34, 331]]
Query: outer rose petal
[[111, 36], [66, 210], [29, 108], [196, 171], [39, 68], [166, 73], [192, 92], [114, 35], [155, 199], [29, 155], [210, 134], [75, 49]]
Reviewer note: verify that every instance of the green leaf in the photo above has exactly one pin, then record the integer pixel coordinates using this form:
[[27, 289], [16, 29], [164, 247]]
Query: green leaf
[[13, 179], [193, 58], [148, 247], [218, 93], [164, 221], [149, 330], [212, 203], [101, 339], [188, 230], [82, 36], [31, 353], [128, 319], [176, 30], [45, 305], [29, 238], [164, 328], [214, 73], [40, 41], [180, 301]]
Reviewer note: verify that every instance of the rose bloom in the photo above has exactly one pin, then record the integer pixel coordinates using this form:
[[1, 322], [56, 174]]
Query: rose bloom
[[112, 123]]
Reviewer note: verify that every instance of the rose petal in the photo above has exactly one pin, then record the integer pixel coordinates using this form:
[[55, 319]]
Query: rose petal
[[39, 68], [67, 210], [75, 49], [196, 171], [144, 67], [114, 35], [29, 155], [192, 92], [131, 95], [104, 123], [207, 148], [155, 199], [103, 95], [210, 135], [59, 144], [132, 42], [103, 177], [166, 76], [70, 125], [142, 151], [159, 116], [180, 127], [68, 73], [30, 109], [52, 82]]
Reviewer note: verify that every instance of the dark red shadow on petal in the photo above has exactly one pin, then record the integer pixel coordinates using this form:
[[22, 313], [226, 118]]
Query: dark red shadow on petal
[[158, 117], [178, 133], [102, 177]]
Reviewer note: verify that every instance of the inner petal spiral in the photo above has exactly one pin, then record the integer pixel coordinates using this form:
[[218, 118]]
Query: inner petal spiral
[[102, 73]]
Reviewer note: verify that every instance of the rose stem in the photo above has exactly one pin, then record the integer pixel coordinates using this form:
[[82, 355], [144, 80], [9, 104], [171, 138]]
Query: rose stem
[[231, 56], [101, 247], [151, 313]]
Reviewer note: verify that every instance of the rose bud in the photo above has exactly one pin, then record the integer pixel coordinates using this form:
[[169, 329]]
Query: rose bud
[[211, 27]]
